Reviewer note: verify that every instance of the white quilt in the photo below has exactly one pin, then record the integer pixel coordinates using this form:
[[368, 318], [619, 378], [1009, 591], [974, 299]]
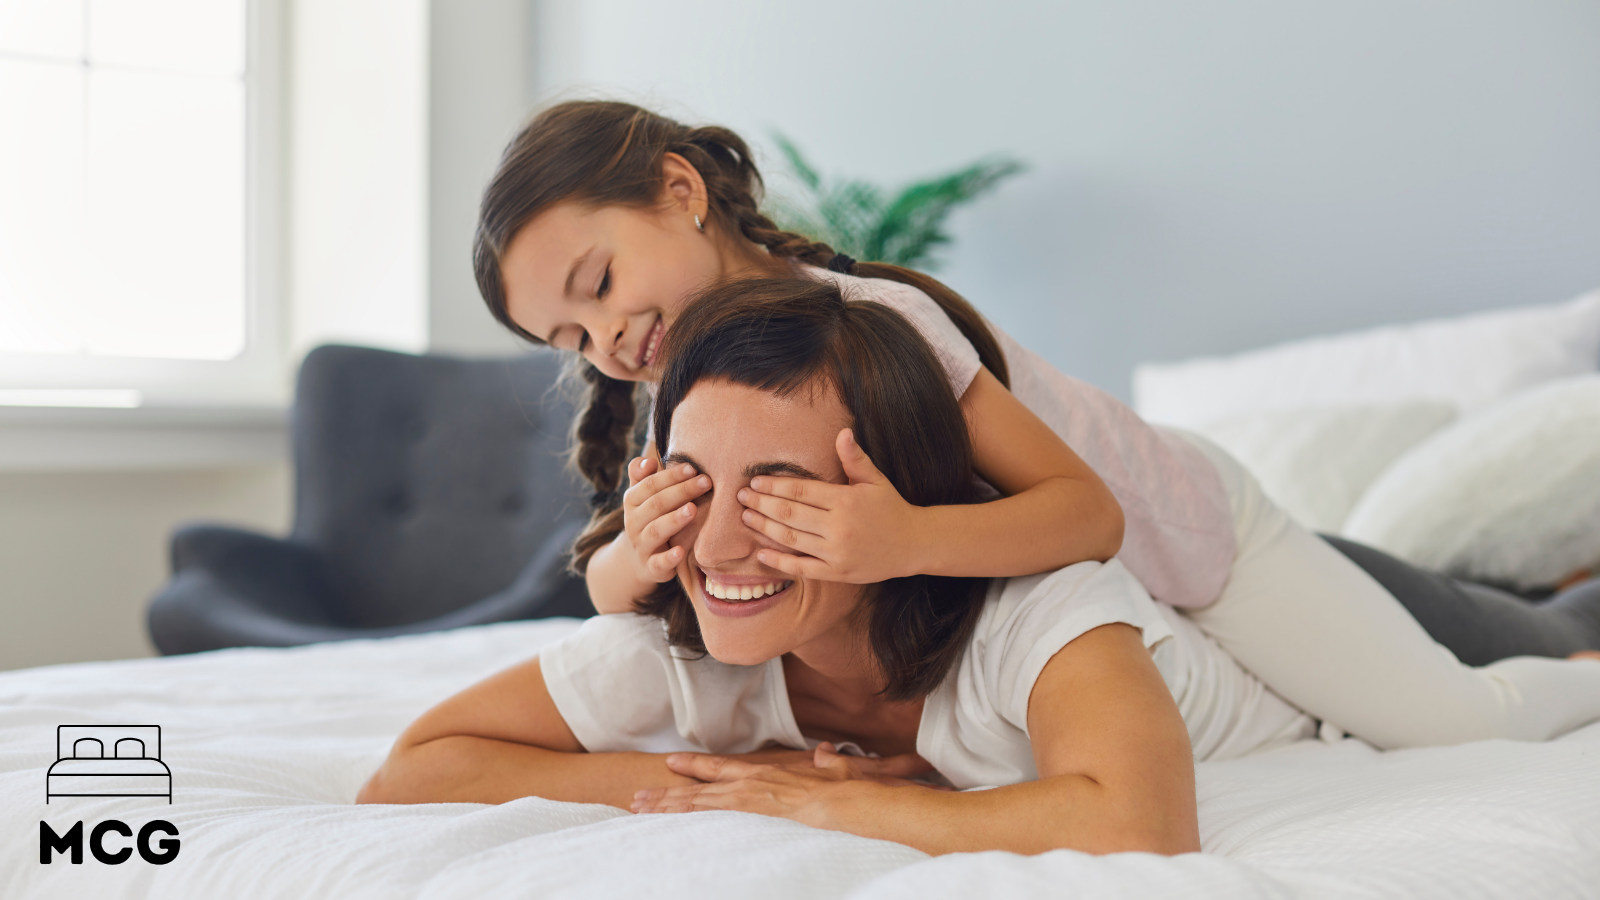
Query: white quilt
[[267, 749]]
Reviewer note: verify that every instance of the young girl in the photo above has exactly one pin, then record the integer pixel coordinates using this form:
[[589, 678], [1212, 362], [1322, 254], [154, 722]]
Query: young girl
[[1079, 700], [604, 218]]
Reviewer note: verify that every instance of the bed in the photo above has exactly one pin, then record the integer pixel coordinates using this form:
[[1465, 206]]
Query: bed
[[268, 747]]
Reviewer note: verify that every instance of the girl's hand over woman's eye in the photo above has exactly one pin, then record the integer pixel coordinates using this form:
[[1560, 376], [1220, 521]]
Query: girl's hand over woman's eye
[[655, 507], [858, 533]]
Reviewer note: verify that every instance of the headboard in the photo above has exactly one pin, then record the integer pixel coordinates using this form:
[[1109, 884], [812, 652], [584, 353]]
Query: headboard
[[108, 736]]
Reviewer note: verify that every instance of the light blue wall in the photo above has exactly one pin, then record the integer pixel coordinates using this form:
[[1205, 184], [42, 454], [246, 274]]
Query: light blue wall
[[1206, 177]]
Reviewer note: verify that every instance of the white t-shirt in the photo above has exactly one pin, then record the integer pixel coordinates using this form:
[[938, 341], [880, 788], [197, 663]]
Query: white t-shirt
[[620, 686], [1178, 537]]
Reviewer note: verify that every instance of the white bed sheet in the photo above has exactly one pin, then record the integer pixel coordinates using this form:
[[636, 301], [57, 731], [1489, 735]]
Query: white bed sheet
[[268, 747]]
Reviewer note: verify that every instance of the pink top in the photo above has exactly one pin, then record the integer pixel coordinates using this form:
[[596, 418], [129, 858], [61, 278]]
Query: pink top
[[1178, 537]]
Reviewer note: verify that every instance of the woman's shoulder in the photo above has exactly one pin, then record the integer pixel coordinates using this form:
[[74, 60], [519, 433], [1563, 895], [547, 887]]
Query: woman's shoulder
[[1028, 620]]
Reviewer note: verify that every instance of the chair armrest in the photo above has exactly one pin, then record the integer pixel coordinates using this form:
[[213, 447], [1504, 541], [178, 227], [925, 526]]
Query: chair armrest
[[232, 587]]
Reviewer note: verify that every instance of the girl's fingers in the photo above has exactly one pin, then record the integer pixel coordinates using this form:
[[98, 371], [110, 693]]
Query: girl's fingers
[[790, 512], [638, 468], [786, 535], [809, 491], [796, 566], [662, 528], [664, 565], [670, 490]]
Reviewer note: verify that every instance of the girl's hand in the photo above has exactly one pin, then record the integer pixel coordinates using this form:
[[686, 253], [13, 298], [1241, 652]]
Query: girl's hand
[[789, 791], [858, 533], [655, 507]]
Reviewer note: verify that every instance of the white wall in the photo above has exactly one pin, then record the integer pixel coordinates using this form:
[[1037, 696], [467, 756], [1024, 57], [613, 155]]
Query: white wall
[[81, 553], [358, 173], [1205, 177], [480, 71]]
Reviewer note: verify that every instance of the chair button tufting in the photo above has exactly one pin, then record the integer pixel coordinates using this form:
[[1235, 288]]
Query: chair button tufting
[[513, 503]]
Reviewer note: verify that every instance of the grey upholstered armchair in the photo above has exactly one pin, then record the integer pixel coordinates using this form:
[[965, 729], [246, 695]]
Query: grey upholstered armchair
[[429, 493]]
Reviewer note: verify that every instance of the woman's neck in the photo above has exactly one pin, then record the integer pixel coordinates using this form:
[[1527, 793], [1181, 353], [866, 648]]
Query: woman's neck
[[835, 695], [838, 669]]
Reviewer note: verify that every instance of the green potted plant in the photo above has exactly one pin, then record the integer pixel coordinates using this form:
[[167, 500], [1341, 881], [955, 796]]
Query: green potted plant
[[873, 224]]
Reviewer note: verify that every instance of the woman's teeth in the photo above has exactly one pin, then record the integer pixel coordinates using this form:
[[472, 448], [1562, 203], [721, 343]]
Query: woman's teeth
[[737, 592]]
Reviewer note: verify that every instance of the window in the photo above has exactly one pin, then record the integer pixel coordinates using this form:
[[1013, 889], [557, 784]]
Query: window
[[137, 218]]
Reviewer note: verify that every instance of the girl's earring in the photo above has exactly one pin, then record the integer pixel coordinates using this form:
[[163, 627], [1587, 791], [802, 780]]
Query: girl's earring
[[699, 225]]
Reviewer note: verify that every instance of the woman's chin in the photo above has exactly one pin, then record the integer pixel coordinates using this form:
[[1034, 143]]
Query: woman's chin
[[737, 649]]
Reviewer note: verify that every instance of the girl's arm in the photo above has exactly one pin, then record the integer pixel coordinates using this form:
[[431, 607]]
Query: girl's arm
[[1056, 511], [1116, 773]]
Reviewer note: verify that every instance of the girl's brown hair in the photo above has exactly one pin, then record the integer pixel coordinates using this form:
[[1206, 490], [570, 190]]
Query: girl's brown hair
[[601, 153], [788, 335]]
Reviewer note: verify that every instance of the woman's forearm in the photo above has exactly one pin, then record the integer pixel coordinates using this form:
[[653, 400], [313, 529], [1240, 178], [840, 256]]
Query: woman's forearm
[[1055, 523], [1064, 812], [613, 584], [469, 769]]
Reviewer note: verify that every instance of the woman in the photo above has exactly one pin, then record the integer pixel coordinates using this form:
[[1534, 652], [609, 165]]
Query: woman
[[1081, 701]]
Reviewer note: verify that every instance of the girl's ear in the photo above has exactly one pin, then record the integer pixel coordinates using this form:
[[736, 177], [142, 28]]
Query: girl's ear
[[683, 190]]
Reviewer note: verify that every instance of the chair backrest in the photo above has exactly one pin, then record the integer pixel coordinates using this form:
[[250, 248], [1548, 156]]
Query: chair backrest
[[427, 482]]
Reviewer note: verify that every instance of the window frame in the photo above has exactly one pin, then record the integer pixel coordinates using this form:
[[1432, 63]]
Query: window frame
[[259, 376]]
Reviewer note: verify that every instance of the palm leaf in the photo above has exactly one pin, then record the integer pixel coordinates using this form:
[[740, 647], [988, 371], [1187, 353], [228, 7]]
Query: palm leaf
[[913, 225], [860, 219]]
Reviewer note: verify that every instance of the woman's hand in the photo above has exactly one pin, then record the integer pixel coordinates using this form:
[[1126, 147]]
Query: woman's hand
[[789, 787], [858, 533], [655, 507]]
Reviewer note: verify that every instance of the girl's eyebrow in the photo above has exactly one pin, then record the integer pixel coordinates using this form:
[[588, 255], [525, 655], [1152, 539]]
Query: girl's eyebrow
[[794, 470]]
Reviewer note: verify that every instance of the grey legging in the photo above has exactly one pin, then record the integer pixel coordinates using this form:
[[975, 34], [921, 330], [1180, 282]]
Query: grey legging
[[1482, 624]]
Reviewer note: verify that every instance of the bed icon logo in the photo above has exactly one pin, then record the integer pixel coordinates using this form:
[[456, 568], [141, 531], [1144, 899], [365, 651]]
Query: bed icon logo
[[108, 761]]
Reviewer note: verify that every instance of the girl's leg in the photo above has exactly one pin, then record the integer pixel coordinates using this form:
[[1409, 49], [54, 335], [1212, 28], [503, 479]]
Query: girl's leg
[[1482, 624], [1328, 638]]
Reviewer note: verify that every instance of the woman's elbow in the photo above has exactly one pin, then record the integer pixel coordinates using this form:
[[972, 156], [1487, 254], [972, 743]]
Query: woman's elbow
[[393, 782]]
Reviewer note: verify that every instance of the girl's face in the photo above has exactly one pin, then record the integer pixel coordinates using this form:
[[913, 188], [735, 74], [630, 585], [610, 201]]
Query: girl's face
[[732, 433], [607, 282]]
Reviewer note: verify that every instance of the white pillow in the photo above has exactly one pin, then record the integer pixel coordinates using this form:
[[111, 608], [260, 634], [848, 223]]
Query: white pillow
[[1511, 494], [1468, 361], [1316, 463]]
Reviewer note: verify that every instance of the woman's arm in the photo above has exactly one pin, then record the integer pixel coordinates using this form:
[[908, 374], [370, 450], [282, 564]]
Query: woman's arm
[[1056, 511], [501, 739], [1116, 772]]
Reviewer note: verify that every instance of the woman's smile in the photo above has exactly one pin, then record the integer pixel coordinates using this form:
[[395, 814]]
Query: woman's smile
[[737, 600]]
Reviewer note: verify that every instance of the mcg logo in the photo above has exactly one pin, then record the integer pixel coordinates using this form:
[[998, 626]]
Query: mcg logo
[[133, 768]]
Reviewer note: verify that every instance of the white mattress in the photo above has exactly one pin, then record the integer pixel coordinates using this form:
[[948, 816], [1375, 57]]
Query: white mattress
[[268, 747]]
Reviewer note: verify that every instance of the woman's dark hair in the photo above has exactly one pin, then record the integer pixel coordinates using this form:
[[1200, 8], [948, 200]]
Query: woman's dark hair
[[787, 335], [602, 153]]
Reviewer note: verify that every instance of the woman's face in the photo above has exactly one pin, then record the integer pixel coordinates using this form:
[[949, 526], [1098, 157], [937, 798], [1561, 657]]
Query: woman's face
[[731, 433]]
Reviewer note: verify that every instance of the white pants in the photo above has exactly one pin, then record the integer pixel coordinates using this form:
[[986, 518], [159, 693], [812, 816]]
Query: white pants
[[1324, 635]]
